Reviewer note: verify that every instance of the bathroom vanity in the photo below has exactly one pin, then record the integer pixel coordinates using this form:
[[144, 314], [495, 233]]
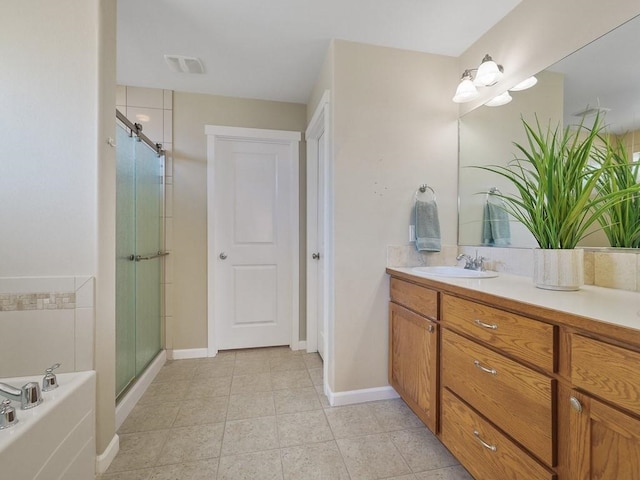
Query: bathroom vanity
[[519, 382]]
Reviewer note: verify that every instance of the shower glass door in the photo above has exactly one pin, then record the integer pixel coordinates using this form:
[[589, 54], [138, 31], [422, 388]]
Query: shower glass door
[[139, 195]]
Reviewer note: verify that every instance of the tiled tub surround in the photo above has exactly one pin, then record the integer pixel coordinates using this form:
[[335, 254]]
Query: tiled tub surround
[[260, 414], [617, 269], [51, 318]]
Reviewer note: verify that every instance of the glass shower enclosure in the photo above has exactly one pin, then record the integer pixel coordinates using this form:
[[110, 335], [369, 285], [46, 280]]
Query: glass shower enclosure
[[139, 252]]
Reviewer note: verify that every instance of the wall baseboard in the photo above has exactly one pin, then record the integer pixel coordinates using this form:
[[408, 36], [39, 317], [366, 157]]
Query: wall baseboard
[[301, 345], [187, 353], [337, 399], [126, 404], [105, 458]]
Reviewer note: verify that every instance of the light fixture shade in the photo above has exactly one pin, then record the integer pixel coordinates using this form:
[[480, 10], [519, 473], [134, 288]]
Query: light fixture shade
[[466, 90], [488, 72], [523, 85], [501, 99]]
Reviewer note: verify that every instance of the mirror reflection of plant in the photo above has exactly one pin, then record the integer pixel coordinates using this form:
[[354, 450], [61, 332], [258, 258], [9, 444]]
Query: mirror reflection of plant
[[557, 183], [621, 221]]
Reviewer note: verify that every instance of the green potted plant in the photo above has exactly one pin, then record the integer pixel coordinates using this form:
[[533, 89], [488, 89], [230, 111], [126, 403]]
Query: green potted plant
[[621, 221], [556, 175]]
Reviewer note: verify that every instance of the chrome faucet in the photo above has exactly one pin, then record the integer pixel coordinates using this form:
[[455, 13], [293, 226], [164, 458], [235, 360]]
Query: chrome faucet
[[472, 263], [28, 395]]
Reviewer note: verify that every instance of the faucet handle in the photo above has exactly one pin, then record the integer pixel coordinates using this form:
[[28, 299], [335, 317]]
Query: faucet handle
[[8, 416], [50, 382], [30, 395]]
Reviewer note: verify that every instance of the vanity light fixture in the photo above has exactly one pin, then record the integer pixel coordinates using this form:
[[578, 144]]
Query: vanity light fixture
[[523, 85], [487, 74], [466, 90], [499, 100]]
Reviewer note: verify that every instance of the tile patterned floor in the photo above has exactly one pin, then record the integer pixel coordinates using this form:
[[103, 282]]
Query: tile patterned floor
[[260, 415]]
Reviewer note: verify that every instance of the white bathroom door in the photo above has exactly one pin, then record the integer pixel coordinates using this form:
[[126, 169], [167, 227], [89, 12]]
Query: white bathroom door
[[317, 138], [253, 223], [320, 252]]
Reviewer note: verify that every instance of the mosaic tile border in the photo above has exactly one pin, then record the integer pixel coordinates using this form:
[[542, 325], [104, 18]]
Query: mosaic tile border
[[12, 302]]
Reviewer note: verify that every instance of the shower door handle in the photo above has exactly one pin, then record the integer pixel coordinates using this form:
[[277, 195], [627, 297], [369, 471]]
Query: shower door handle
[[138, 258]]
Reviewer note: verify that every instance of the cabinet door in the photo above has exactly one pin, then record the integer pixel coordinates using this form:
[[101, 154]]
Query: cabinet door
[[413, 361], [605, 442]]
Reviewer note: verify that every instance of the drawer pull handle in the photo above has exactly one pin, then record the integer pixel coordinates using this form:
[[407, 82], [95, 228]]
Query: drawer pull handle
[[492, 371], [486, 445], [575, 404], [490, 326], [430, 328]]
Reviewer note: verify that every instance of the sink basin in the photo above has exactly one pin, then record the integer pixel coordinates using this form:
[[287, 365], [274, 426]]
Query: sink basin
[[453, 272]]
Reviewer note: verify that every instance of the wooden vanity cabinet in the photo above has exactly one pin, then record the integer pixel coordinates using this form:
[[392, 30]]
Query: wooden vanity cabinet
[[517, 391], [604, 413], [413, 348]]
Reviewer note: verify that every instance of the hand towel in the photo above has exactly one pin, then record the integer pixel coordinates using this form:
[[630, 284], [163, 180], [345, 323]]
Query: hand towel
[[495, 224], [427, 226]]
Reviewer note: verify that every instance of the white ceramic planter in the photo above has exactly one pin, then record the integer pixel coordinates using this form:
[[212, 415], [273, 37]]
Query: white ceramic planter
[[558, 269]]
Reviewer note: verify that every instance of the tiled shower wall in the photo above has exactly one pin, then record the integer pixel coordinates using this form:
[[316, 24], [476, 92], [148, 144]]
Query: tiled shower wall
[[153, 109], [46, 321], [602, 267]]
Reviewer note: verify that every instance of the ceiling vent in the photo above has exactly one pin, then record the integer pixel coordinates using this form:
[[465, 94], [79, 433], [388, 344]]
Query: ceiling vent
[[182, 64], [592, 111]]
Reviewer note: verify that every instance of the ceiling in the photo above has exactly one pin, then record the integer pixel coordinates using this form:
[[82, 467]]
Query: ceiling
[[274, 49]]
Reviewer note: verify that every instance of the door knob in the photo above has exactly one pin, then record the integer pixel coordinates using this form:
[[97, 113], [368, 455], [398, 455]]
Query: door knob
[[315, 256], [223, 256]]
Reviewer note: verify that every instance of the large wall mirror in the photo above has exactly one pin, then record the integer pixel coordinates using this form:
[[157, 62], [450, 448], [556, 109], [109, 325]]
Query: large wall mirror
[[602, 75]]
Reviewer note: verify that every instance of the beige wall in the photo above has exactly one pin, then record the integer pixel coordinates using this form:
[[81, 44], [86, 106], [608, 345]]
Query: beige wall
[[393, 130], [630, 141], [105, 316], [191, 113], [323, 83]]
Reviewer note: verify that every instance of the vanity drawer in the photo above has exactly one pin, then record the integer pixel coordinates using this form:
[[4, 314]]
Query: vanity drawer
[[481, 448], [607, 371], [514, 397], [522, 337], [414, 297]]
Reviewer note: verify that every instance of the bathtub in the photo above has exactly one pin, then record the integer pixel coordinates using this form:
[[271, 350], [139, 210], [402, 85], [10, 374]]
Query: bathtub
[[55, 440]]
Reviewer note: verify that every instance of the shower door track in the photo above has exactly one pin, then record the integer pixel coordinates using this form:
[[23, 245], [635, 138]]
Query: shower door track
[[136, 129]]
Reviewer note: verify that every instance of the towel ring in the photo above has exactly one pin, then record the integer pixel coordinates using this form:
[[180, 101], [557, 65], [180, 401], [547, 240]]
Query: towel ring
[[423, 188], [492, 191]]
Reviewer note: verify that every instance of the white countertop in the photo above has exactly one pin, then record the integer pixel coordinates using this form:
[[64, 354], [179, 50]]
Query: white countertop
[[607, 305]]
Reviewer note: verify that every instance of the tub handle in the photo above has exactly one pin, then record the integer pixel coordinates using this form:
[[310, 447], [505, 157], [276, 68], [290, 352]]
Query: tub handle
[[8, 416], [50, 381]]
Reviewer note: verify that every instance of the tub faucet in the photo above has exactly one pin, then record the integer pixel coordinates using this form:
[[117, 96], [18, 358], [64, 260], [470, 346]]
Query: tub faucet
[[28, 395]]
